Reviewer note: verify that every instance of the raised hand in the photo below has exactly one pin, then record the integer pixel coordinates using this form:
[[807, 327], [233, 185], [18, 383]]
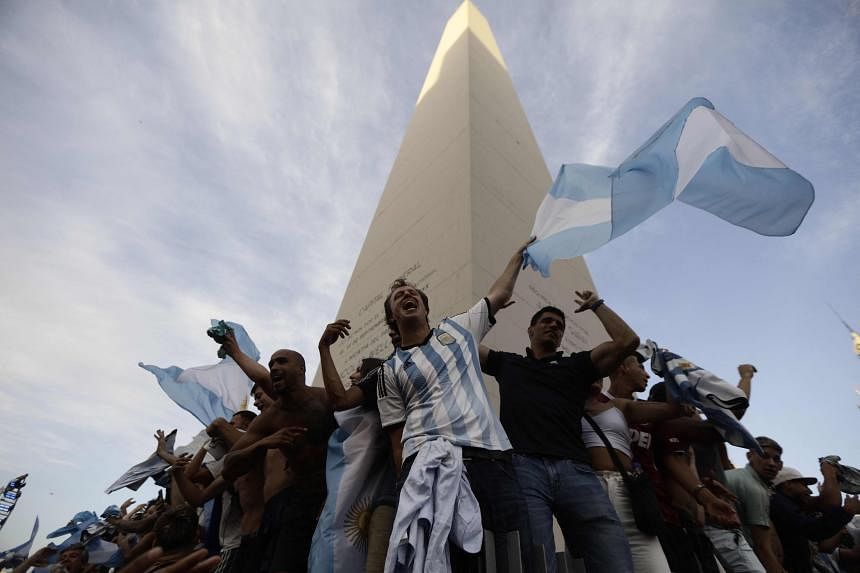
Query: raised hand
[[746, 370], [230, 346], [161, 441], [586, 299], [334, 331], [519, 256]]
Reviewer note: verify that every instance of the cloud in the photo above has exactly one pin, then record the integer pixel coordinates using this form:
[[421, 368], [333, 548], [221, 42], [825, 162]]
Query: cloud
[[168, 164]]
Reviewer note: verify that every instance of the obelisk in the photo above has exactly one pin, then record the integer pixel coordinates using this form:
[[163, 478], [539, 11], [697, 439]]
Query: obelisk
[[460, 198]]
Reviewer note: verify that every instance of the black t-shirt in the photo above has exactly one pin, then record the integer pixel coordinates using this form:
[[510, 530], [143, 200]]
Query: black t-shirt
[[368, 386], [542, 401]]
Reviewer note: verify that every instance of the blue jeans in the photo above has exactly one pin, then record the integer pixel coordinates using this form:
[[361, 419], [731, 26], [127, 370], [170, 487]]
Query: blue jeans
[[571, 491]]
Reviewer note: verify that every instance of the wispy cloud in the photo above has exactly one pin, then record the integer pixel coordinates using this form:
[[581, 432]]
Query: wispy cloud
[[167, 164]]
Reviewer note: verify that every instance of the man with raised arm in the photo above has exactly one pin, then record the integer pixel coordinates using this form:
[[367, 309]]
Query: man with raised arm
[[269, 474], [433, 393], [298, 423], [363, 389], [543, 397]]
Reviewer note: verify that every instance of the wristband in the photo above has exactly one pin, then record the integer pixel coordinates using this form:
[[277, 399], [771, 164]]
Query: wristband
[[596, 305]]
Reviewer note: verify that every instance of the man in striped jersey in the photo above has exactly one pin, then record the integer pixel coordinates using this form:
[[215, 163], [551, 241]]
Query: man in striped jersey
[[432, 388]]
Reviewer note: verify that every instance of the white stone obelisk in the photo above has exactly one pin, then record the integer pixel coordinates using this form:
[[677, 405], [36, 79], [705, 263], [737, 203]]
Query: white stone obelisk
[[460, 198]]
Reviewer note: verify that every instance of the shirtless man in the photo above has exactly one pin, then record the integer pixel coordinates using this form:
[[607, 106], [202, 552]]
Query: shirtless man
[[297, 423]]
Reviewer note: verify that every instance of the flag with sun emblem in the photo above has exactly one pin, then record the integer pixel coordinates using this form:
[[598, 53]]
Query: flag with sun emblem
[[358, 472]]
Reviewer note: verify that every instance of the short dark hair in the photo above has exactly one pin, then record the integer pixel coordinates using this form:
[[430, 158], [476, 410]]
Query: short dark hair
[[177, 528], [552, 309], [246, 415], [766, 442], [368, 365], [401, 282], [254, 387], [658, 392], [85, 555]]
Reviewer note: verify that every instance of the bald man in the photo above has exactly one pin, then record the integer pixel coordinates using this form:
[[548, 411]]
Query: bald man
[[298, 423]]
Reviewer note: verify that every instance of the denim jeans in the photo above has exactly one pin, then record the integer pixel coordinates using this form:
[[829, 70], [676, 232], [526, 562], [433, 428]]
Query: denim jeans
[[733, 551], [571, 491]]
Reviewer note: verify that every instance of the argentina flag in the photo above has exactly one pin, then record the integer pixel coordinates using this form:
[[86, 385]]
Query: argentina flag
[[359, 471], [213, 391], [694, 386], [698, 157]]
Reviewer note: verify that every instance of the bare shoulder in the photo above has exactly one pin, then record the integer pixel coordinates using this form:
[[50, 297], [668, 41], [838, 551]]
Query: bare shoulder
[[319, 394], [317, 403], [267, 422], [622, 404]]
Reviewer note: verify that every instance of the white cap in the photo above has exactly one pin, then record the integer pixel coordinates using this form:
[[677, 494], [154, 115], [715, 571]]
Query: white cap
[[791, 474]]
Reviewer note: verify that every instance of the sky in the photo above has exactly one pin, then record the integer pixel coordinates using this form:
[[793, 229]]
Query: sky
[[166, 163]]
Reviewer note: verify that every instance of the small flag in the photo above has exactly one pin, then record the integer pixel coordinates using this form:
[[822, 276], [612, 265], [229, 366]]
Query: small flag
[[698, 157], [213, 391]]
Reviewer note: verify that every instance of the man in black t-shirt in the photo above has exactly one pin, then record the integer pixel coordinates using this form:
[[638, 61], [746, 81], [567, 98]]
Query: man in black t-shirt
[[542, 401]]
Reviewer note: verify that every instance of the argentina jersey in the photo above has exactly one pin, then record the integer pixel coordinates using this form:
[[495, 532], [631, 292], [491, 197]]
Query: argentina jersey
[[436, 389]]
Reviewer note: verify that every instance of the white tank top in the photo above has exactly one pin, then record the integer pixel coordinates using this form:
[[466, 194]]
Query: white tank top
[[614, 425]]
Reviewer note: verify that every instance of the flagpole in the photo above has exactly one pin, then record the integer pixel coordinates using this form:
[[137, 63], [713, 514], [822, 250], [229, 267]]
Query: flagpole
[[845, 324]]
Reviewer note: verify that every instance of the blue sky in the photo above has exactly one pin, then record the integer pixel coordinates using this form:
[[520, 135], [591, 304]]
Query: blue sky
[[163, 164]]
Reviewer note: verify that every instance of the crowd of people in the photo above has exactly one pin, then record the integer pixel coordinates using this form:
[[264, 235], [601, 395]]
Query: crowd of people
[[635, 485]]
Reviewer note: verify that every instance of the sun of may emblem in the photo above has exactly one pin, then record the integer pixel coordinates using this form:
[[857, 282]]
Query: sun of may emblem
[[356, 524]]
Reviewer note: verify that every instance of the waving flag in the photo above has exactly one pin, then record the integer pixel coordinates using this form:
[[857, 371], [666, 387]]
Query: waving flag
[[209, 392], [716, 398], [358, 469], [698, 157], [13, 557], [152, 466]]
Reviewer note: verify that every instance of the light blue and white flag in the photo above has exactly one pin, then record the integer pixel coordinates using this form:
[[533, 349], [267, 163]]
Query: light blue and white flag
[[209, 392], [79, 522], [716, 398], [17, 555], [698, 157], [152, 466], [103, 552], [358, 470]]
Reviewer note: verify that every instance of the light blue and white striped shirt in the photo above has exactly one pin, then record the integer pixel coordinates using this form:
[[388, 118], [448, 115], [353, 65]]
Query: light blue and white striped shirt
[[436, 388]]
